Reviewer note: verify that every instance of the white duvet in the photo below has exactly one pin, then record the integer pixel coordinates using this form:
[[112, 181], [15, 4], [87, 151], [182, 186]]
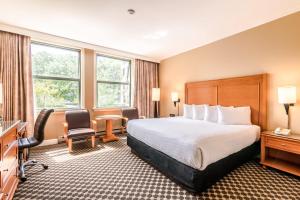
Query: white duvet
[[195, 143]]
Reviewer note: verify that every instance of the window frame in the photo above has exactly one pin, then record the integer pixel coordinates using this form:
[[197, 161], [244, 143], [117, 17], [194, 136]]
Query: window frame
[[79, 80], [113, 82]]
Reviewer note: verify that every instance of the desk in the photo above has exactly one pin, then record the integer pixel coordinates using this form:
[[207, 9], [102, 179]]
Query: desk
[[22, 129], [109, 134], [9, 158]]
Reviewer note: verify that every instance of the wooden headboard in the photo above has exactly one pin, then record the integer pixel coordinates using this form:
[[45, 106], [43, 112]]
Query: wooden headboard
[[239, 91]]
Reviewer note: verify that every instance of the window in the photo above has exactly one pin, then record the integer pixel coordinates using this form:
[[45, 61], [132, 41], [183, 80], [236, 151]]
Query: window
[[56, 76], [113, 82]]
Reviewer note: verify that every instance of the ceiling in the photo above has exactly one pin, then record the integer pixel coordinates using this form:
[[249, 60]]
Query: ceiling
[[159, 28]]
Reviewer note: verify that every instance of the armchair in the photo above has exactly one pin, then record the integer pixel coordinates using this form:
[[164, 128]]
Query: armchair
[[79, 125], [129, 114]]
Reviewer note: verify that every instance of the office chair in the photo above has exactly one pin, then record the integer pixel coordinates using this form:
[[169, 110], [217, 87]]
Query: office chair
[[33, 141]]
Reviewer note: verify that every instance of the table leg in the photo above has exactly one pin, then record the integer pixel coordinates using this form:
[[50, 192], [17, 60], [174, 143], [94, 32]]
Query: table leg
[[109, 134]]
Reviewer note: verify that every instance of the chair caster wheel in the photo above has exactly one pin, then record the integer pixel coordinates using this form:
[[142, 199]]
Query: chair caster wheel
[[23, 179], [45, 166]]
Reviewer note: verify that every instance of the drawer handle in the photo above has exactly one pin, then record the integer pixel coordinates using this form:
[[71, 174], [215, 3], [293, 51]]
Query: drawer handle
[[7, 145], [5, 170], [283, 144]]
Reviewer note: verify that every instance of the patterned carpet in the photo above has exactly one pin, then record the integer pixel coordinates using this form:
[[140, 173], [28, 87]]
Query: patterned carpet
[[111, 171]]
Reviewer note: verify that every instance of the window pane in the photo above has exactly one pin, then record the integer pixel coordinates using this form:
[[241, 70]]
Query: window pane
[[56, 93], [55, 62], [113, 69], [113, 95]]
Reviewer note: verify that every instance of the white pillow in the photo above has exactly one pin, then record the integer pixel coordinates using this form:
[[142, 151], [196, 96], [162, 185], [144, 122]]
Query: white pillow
[[188, 111], [211, 113], [199, 112], [234, 116]]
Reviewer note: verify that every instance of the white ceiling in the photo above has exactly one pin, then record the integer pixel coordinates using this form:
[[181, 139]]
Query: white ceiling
[[158, 29]]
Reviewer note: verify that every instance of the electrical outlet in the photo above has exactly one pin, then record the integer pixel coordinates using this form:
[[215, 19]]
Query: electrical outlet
[[61, 139]]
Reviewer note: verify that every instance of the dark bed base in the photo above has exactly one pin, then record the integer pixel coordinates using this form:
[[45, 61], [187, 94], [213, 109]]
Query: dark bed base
[[191, 179]]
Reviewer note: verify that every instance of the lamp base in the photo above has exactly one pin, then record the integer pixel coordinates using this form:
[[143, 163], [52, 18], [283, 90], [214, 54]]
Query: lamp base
[[287, 109], [156, 110]]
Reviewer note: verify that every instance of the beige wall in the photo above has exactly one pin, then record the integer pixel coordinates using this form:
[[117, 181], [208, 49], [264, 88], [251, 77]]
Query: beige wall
[[273, 48]]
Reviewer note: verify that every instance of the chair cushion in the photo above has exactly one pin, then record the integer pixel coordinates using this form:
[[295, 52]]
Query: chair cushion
[[130, 113], [80, 132], [27, 142], [78, 119]]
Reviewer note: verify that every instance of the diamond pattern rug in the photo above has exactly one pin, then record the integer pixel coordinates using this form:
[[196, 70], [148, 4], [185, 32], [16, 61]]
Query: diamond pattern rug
[[111, 171]]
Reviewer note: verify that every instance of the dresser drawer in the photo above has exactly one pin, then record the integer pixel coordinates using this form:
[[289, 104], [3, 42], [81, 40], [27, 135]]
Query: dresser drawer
[[8, 139], [10, 162], [10, 186], [284, 145]]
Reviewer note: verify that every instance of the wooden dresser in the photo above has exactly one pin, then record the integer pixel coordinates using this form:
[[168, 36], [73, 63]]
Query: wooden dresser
[[9, 159], [281, 152]]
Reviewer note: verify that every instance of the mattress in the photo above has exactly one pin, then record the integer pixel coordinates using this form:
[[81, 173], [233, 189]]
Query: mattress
[[195, 143]]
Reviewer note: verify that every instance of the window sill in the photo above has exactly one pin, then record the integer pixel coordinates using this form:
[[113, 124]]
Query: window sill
[[108, 109], [58, 110]]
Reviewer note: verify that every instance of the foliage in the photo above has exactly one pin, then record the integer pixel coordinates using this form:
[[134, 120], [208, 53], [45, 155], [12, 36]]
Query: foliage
[[113, 87], [56, 74], [50, 66]]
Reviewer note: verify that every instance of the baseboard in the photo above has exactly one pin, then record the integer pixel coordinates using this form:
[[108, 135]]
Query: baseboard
[[49, 142]]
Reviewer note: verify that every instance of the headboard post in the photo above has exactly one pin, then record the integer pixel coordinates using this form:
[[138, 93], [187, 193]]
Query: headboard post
[[239, 91]]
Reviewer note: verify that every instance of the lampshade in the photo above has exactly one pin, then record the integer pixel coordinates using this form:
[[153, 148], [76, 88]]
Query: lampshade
[[174, 96], [155, 94], [287, 95], [1, 96]]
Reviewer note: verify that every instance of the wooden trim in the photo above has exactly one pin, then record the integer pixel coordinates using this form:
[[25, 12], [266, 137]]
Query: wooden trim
[[70, 144], [262, 149], [93, 141], [9, 162], [94, 125], [238, 91], [281, 152], [66, 129]]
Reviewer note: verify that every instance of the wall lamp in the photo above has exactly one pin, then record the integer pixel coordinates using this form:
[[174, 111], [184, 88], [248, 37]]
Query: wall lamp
[[176, 100]]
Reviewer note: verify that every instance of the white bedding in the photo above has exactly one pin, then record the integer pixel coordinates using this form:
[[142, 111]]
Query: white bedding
[[196, 143]]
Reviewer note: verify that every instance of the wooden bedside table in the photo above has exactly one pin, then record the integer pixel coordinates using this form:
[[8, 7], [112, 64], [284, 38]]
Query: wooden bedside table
[[281, 152]]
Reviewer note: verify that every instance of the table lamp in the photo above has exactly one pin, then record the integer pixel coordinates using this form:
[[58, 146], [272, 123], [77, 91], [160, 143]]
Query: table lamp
[[175, 99], [156, 99], [287, 97]]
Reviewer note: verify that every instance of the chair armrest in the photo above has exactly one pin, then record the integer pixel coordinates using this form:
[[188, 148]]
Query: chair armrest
[[94, 125], [66, 128], [142, 117], [125, 119], [124, 122]]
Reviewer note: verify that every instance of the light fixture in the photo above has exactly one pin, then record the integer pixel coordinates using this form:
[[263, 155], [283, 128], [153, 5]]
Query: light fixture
[[287, 97], [155, 94], [175, 99], [131, 11], [156, 35], [156, 99]]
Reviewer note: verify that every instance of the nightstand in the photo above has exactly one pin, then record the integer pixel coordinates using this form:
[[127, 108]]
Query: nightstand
[[281, 152]]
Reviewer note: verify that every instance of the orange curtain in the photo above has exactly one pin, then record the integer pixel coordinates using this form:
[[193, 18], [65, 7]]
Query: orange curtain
[[16, 77], [146, 78]]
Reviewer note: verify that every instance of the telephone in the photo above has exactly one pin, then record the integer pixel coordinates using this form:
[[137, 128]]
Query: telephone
[[283, 131]]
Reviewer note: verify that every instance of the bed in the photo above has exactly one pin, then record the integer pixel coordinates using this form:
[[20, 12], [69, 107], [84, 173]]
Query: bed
[[196, 153]]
